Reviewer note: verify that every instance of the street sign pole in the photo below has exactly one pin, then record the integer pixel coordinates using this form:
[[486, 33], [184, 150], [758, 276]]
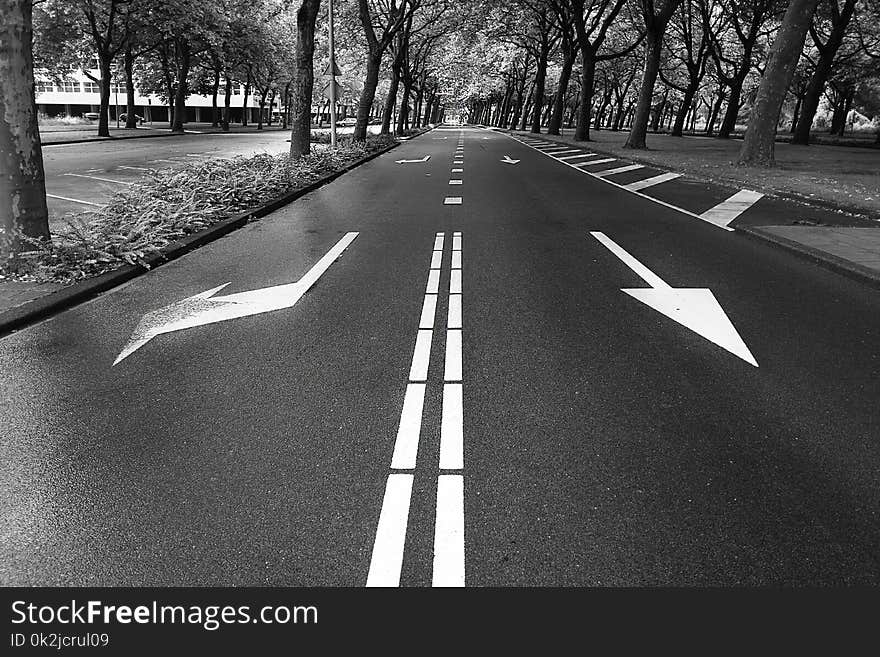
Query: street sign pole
[[332, 81]]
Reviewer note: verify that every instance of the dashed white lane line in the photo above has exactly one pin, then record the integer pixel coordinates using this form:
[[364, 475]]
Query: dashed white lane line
[[74, 200], [726, 211], [604, 160], [418, 371], [611, 172], [456, 241], [650, 182], [438, 243], [433, 282], [452, 200], [457, 171], [451, 423], [429, 308], [455, 282], [122, 166], [387, 557], [575, 157], [452, 361], [454, 319], [455, 181], [109, 180], [449, 532], [564, 151], [406, 446], [456, 259]]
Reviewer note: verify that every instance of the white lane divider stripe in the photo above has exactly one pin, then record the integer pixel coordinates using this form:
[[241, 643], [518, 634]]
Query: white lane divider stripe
[[452, 200], [418, 371], [592, 162], [406, 446], [449, 532], [456, 259], [109, 180], [455, 182], [452, 365], [611, 172], [565, 152], [387, 557], [451, 428], [429, 307], [726, 211], [458, 171], [455, 281], [456, 242], [433, 282], [454, 318], [436, 258], [74, 200], [575, 157], [650, 182], [438, 242]]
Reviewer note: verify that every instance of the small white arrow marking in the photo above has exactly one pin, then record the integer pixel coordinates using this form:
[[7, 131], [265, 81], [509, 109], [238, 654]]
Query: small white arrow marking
[[424, 159], [205, 308], [507, 160], [694, 308]]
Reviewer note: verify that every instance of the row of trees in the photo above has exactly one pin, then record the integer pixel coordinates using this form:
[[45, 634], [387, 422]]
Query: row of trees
[[680, 64], [400, 56]]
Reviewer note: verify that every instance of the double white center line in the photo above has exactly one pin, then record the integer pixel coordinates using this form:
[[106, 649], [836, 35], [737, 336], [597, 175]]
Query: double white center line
[[388, 548]]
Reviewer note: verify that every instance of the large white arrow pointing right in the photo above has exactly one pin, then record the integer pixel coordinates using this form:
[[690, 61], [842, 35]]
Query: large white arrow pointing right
[[694, 308]]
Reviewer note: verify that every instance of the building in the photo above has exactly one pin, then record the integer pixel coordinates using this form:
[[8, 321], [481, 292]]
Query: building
[[78, 95]]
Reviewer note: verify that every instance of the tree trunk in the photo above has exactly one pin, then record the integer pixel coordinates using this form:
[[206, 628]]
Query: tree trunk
[[728, 123], [128, 65], [555, 122], [371, 81], [304, 81], [180, 93], [22, 181], [104, 87], [540, 82], [227, 104], [403, 116], [760, 139], [681, 115], [244, 102], [215, 90], [639, 132], [391, 99]]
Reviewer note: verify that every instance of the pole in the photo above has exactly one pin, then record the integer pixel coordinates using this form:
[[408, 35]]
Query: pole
[[332, 81], [116, 88]]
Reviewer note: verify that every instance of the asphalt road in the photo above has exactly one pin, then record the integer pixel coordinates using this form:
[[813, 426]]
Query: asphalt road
[[600, 442]]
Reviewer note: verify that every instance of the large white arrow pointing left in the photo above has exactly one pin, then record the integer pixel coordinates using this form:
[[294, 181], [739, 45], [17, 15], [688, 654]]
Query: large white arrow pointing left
[[205, 308], [694, 308]]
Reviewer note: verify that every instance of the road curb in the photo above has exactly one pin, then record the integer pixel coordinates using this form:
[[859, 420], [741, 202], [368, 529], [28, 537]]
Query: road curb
[[823, 259], [31, 312]]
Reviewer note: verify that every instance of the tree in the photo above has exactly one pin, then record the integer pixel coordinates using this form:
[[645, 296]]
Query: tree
[[760, 139], [838, 20], [656, 18], [301, 128], [22, 181], [388, 17]]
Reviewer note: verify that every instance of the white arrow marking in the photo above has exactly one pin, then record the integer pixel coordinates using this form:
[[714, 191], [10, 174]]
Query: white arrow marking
[[694, 308], [205, 308], [508, 160], [424, 159]]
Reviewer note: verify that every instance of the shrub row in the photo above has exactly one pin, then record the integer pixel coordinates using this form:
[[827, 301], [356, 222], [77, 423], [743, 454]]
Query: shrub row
[[169, 204]]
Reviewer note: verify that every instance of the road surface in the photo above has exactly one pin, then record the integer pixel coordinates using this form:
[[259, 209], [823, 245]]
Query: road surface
[[518, 379]]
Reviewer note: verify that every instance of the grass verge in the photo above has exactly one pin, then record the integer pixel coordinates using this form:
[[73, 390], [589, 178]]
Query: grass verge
[[169, 205]]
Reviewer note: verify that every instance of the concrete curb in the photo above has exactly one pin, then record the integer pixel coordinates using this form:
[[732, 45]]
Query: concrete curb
[[51, 304], [823, 259]]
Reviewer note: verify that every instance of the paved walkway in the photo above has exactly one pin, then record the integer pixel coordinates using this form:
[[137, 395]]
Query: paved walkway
[[857, 245]]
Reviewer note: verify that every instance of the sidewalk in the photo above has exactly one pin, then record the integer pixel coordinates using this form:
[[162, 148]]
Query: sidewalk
[[842, 184]]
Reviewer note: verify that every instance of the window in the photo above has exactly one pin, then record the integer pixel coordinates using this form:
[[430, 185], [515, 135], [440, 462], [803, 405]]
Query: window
[[44, 87], [91, 88], [236, 89], [117, 87], [69, 87]]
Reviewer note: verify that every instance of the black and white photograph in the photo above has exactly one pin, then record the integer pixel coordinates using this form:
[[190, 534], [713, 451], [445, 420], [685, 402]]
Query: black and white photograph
[[304, 302]]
